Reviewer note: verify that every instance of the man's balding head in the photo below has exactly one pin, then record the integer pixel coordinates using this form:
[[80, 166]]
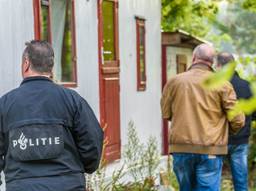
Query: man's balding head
[[204, 53]]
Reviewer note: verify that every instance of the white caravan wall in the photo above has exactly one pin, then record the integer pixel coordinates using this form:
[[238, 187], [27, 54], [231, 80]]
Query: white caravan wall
[[141, 107], [87, 52], [17, 27], [171, 58]]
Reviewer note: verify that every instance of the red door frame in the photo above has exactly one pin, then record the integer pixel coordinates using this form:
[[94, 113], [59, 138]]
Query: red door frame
[[165, 142], [112, 67]]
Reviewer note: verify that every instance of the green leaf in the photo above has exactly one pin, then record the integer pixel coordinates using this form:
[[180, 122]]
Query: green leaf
[[253, 88], [247, 106], [219, 78]]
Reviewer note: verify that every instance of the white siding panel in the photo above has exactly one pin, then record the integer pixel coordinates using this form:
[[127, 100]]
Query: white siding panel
[[141, 107], [16, 18], [87, 52], [171, 55]]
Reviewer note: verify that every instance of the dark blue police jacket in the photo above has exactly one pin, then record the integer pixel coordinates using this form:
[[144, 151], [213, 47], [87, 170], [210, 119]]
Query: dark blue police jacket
[[49, 136]]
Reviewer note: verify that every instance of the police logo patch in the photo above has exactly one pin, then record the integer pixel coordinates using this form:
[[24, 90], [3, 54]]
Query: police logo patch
[[36, 142]]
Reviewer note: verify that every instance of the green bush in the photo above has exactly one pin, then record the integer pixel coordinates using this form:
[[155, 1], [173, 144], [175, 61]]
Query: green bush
[[140, 163]]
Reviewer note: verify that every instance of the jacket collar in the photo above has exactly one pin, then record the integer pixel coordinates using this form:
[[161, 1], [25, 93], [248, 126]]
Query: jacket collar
[[36, 78], [202, 66]]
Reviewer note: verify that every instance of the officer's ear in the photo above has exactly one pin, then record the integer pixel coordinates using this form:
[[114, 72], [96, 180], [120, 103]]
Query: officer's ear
[[26, 65]]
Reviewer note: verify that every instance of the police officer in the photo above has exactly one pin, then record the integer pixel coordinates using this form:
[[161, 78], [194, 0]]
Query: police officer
[[49, 135]]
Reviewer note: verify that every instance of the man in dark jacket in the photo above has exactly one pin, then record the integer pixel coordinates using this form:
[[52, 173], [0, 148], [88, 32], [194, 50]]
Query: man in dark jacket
[[238, 143], [49, 135]]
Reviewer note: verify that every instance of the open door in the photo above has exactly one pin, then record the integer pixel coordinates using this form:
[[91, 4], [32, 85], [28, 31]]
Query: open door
[[109, 76], [181, 60]]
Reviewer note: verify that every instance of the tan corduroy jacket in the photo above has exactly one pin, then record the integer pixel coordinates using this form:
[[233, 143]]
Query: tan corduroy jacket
[[199, 122]]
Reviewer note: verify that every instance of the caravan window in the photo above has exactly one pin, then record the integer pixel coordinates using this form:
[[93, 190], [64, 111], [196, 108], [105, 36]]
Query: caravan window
[[45, 21], [55, 22], [141, 54]]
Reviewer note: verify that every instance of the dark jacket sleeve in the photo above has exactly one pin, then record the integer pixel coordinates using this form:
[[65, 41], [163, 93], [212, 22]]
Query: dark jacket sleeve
[[250, 96], [228, 103], [254, 116], [88, 136]]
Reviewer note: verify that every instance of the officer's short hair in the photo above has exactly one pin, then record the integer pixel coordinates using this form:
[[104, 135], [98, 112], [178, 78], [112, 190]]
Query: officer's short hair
[[224, 58], [40, 54]]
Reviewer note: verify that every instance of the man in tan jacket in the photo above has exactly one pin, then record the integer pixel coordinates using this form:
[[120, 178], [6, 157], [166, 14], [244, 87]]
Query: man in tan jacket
[[199, 123]]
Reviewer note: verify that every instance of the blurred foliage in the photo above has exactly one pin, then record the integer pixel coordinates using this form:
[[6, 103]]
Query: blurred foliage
[[226, 184], [250, 5], [232, 25], [189, 15], [235, 24], [246, 67], [218, 79]]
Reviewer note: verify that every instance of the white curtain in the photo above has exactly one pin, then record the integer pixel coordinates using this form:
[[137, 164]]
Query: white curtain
[[57, 27]]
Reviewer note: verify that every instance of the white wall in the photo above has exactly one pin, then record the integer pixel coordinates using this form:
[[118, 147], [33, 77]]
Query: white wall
[[171, 59], [17, 27], [87, 52], [141, 107]]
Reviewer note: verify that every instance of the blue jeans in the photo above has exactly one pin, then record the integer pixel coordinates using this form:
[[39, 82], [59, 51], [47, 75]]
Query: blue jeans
[[237, 157], [198, 172]]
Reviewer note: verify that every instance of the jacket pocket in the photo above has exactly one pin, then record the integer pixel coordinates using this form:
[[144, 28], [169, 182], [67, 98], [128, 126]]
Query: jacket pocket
[[36, 142]]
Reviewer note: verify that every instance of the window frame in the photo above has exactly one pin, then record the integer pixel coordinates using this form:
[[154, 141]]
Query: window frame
[[37, 19], [37, 32], [141, 84], [107, 66]]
